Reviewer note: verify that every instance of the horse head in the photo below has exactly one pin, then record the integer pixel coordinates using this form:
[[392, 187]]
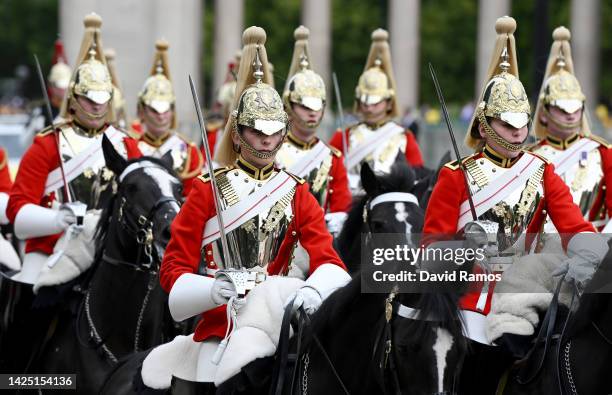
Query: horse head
[[142, 209]]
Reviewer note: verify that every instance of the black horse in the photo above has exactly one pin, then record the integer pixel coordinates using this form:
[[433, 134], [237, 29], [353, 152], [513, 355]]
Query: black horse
[[578, 357], [121, 308]]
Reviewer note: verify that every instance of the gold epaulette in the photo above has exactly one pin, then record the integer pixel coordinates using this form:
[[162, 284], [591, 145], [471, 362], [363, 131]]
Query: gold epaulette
[[599, 139], [205, 177], [454, 165], [299, 180], [539, 156], [49, 129]]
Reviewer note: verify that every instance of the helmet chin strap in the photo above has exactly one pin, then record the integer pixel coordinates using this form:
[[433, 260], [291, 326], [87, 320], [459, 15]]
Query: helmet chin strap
[[258, 154], [496, 137], [561, 124], [86, 114]]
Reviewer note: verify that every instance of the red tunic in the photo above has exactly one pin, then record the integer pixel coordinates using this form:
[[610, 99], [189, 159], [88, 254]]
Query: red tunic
[[5, 177], [29, 187], [602, 203], [183, 253], [338, 194], [413, 152], [442, 214], [211, 136]]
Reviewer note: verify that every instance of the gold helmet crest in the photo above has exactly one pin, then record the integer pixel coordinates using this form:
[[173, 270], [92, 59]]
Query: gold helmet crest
[[91, 77], [377, 82], [304, 86], [504, 95], [560, 87], [257, 104], [157, 91]]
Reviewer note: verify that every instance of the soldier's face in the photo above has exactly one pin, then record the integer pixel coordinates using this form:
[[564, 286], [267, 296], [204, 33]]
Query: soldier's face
[[373, 113], [89, 113], [506, 132], [562, 117], [260, 142], [56, 95], [157, 123], [307, 116]]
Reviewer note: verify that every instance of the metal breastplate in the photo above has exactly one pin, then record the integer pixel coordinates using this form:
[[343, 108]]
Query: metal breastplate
[[96, 183], [178, 148], [382, 158], [515, 211], [318, 178], [583, 178], [257, 241]]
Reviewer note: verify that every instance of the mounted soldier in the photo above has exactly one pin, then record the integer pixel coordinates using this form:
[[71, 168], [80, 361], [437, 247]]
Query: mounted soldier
[[8, 256], [266, 211], [377, 139], [52, 191], [303, 153], [581, 159], [511, 191], [157, 113]]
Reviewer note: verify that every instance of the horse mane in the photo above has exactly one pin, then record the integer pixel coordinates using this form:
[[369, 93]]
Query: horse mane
[[401, 179], [438, 304], [107, 208]]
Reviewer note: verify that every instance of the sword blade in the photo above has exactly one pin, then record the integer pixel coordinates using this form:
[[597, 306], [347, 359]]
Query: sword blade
[[341, 116], [452, 136], [43, 87], [213, 181]]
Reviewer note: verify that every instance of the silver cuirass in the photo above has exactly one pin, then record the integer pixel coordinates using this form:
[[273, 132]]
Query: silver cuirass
[[178, 148], [383, 157], [514, 212], [257, 241]]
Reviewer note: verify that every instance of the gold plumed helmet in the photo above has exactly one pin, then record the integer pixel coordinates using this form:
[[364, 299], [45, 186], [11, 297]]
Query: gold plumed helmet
[[503, 96], [560, 87], [157, 91], [377, 82], [91, 77], [257, 104], [60, 73], [304, 86], [118, 98]]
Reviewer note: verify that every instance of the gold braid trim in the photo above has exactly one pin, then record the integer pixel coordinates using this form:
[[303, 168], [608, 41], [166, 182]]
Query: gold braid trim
[[227, 190], [276, 213], [476, 172], [529, 193]]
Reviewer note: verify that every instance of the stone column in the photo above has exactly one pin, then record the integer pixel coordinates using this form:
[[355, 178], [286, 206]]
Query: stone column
[[404, 35], [586, 30], [131, 28], [316, 16], [488, 12], [229, 15]]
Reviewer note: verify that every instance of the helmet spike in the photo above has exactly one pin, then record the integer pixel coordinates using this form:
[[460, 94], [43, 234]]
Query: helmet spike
[[505, 65], [258, 73]]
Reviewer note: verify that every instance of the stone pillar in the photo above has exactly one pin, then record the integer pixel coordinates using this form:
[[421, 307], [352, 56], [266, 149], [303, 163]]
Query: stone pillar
[[488, 12], [229, 15], [131, 28], [316, 16], [586, 51], [404, 35]]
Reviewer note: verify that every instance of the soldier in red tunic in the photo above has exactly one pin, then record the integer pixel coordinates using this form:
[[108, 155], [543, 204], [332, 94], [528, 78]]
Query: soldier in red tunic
[[513, 191], [5, 185], [302, 153], [377, 140], [35, 205], [582, 160], [156, 110], [266, 211]]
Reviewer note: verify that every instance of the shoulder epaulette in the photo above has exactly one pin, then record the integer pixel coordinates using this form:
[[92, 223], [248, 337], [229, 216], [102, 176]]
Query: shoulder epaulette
[[205, 177], [51, 128], [539, 156], [299, 180], [454, 165], [599, 139]]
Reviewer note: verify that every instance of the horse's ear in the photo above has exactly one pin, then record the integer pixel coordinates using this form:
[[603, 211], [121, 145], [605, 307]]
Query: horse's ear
[[113, 159], [368, 180], [167, 159]]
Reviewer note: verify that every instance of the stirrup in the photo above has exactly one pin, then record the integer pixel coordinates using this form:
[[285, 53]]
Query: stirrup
[[179, 386]]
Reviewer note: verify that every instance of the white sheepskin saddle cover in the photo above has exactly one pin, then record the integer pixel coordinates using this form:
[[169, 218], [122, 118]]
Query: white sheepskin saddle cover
[[76, 255], [255, 336]]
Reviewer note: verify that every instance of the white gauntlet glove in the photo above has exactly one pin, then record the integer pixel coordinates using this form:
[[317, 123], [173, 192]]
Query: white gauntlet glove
[[193, 294], [306, 297], [222, 290], [35, 221], [335, 221], [585, 251]]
